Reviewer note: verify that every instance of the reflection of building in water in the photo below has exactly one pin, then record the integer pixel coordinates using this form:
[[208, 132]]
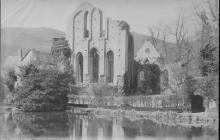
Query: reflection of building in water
[[78, 128], [85, 127], [117, 130]]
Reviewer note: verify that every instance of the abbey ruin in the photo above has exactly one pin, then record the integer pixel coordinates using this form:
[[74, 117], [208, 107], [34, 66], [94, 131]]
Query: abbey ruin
[[101, 52]]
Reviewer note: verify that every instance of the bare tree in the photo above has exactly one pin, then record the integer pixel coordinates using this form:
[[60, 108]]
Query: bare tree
[[158, 36], [155, 33], [208, 12], [181, 36]]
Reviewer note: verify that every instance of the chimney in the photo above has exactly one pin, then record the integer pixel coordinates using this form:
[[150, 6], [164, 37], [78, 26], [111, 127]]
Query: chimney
[[20, 54]]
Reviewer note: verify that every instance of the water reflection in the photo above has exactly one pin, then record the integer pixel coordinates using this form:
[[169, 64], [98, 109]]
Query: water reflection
[[53, 124], [77, 126]]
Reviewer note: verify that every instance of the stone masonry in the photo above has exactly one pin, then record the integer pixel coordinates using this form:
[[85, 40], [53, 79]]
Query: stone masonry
[[101, 52]]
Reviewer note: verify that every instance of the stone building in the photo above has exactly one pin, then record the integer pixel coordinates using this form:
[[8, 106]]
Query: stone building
[[151, 73], [35, 57], [102, 50], [59, 52]]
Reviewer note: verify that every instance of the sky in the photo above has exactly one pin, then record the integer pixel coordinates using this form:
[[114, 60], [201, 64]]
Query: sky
[[140, 14]]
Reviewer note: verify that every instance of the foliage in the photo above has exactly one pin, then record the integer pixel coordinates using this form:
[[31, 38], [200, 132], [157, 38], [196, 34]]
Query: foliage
[[10, 80], [208, 15], [151, 82], [126, 87], [28, 70], [208, 62], [209, 88], [42, 90], [189, 88], [177, 78]]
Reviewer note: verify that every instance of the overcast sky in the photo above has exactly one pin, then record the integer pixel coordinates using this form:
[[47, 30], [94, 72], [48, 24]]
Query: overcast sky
[[140, 14]]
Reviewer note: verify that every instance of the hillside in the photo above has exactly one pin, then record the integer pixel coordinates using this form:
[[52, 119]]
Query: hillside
[[26, 38]]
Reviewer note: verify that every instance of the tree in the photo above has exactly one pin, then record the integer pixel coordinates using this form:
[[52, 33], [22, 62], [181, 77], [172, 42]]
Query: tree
[[159, 35], [10, 80], [42, 89], [181, 37], [8, 73], [208, 15], [177, 78]]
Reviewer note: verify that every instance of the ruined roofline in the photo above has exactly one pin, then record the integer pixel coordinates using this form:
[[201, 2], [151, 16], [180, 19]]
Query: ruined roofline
[[26, 54], [87, 5], [83, 5], [34, 51]]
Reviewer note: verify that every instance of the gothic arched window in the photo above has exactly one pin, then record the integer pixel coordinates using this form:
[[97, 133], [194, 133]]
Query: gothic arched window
[[86, 25]]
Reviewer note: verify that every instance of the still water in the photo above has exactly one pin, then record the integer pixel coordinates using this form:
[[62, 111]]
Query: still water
[[86, 126]]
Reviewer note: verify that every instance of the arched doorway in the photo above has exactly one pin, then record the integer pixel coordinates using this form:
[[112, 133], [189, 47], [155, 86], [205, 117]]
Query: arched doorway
[[110, 67], [79, 67], [94, 65]]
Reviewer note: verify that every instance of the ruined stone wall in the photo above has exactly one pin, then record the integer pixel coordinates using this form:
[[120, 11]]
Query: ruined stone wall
[[151, 102], [88, 30]]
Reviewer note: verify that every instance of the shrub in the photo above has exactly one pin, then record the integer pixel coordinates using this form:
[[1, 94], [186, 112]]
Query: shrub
[[42, 90], [151, 83], [10, 80]]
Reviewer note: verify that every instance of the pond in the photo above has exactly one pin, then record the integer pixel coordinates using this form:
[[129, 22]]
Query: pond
[[81, 126]]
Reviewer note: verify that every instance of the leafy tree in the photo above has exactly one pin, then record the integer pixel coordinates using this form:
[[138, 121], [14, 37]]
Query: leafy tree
[[151, 82], [10, 80], [208, 15], [208, 62], [209, 86], [43, 90]]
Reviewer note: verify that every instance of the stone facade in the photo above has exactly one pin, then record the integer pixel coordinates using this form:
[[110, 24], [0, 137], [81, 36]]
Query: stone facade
[[35, 57], [101, 52], [60, 51]]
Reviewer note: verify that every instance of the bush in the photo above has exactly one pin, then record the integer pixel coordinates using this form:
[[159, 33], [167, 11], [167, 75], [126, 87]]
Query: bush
[[10, 80], [42, 90], [151, 83]]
